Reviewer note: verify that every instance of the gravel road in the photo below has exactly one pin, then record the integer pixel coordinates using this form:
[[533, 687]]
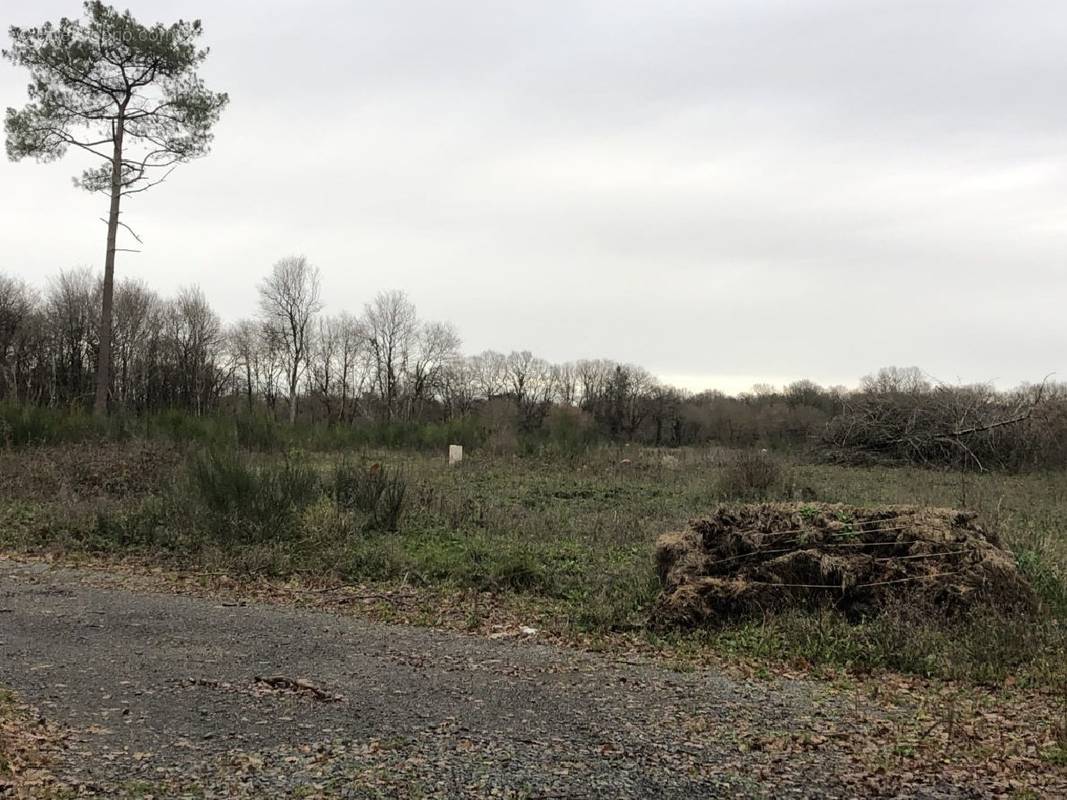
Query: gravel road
[[165, 697]]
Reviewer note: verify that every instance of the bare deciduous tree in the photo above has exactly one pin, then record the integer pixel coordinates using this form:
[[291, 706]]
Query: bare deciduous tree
[[244, 342], [903, 418], [390, 365], [322, 364], [565, 380], [353, 363], [530, 384], [137, 311], [489, 373], [902, 380], [196, 336], [289, 299], [459, 387], [436, 348], [593, 376], [17, 302], [338, 366], [390, 325], [71, 302]]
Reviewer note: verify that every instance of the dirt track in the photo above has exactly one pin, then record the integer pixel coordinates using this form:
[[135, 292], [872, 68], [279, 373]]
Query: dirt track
[[162, 697]]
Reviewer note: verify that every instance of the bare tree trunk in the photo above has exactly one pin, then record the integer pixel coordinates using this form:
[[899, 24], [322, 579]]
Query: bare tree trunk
[[248, 383], [293, 380], [344, 392], [103, 361]]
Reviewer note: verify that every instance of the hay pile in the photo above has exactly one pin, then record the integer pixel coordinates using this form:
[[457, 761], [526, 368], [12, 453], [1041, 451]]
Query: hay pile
[[755, 558]]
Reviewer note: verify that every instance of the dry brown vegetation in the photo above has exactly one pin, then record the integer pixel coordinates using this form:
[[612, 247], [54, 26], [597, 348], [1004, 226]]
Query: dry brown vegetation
[[27, 745], [756, 559]]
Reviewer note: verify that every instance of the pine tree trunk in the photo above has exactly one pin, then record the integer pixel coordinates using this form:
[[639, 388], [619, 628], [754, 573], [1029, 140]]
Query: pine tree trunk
[[103, 361]]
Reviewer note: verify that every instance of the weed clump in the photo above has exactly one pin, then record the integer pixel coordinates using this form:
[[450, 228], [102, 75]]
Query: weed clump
[[750, 475], [246, 503], [355, 487], [376, 491], [390, 505]]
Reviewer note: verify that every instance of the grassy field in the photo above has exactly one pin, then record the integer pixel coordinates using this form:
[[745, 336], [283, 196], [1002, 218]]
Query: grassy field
[[566, 542]]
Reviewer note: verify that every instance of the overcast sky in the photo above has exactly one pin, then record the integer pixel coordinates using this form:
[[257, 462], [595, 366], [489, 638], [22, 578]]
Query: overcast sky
[[724, 192]]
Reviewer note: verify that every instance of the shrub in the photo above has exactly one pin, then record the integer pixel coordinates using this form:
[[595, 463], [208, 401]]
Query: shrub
[[517, 570], [178, 426], [982, 645], [22, 426], [375, 490], [155, 523], [357, 488], [500, 420], [750, 475], [387, 511], [906, 420], [440, 556], [569, 431], [245, 503], [257, 432]]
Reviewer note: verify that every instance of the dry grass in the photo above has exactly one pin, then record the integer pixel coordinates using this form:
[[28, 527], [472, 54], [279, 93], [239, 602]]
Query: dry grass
[[573, 537]]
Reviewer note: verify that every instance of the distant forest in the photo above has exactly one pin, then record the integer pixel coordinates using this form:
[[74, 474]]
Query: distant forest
[[386, 366]]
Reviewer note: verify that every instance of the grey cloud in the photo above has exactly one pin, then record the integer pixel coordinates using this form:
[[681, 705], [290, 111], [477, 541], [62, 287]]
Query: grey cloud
[[734, 190]]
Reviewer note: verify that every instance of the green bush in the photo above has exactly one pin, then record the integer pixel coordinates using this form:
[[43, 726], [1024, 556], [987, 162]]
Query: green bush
[[569, 431], [357, 487], [375, 490], [244, 503], [439, 556], [155, 523], [257, 432], [390, 506], [23, 426], [181, 427]]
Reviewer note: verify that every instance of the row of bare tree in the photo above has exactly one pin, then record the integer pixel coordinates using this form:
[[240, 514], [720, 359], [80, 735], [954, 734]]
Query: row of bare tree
[[386, 364], [166, 352]]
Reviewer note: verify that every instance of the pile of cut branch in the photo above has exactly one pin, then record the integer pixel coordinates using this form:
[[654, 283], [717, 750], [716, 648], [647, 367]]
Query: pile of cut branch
[[971, 426]]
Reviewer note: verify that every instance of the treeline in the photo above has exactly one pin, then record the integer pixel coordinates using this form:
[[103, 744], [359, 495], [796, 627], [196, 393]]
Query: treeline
[[388, 367]]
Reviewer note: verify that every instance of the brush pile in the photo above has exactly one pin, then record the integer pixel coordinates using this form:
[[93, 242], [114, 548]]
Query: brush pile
[[753, 559]]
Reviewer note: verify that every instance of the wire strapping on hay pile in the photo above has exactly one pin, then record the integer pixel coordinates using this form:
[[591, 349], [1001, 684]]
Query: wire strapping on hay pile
[[948, 559]]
